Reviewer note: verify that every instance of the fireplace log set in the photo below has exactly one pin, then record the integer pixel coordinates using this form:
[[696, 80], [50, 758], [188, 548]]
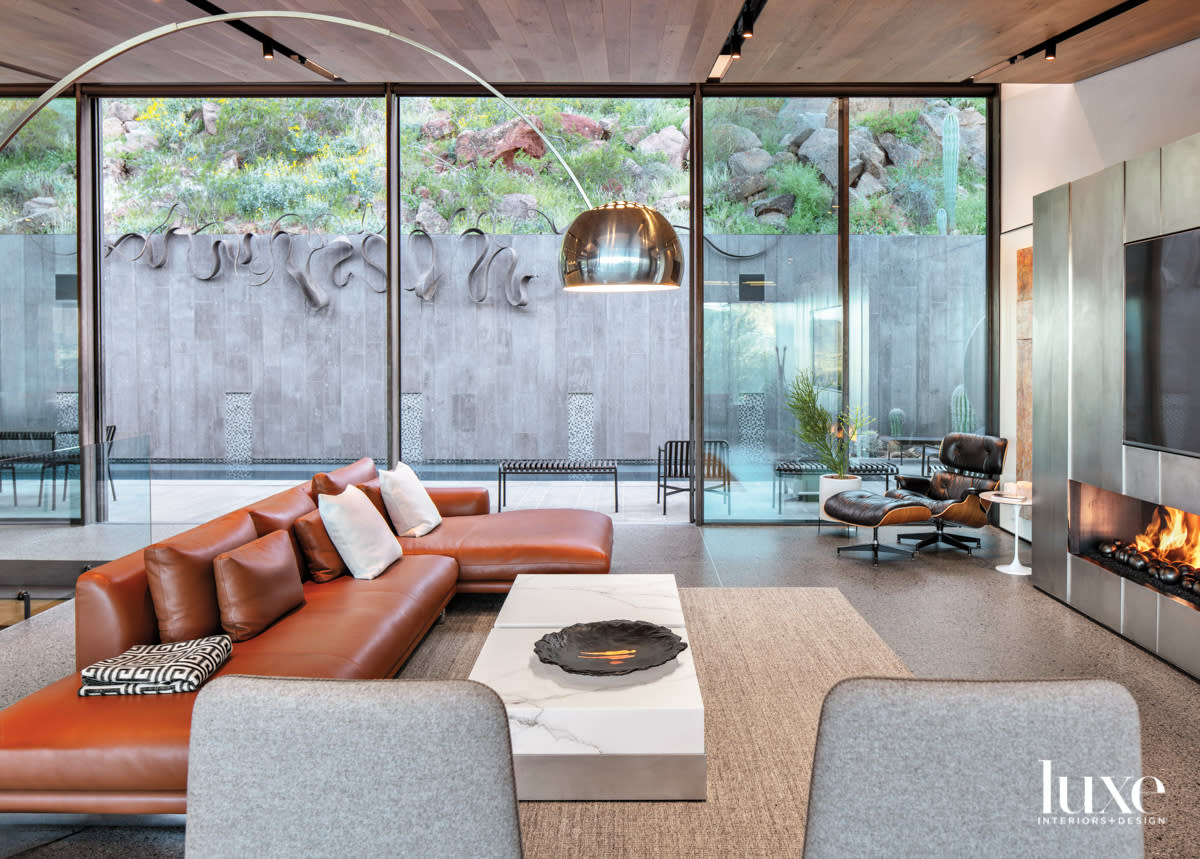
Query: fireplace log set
[[1175, 578]]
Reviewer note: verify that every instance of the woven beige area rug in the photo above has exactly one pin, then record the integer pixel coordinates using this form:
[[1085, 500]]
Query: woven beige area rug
[[765, 657]]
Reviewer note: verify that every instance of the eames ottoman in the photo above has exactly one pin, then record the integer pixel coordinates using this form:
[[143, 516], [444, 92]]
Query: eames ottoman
[[859, 507]]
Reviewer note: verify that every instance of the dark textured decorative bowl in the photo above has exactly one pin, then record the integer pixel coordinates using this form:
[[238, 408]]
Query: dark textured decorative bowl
[[609, 647]]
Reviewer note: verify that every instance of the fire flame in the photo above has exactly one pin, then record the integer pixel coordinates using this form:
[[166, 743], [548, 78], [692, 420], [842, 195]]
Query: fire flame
[[1172, 535]]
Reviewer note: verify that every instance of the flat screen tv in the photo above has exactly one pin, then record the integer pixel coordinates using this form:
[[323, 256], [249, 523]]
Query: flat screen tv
[[1162, 343]]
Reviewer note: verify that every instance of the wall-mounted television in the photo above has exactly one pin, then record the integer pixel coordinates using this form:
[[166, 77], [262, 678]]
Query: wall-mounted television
[[1162, 343]]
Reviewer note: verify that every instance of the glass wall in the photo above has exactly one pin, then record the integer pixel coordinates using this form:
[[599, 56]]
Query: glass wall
[[772, 308], [918, 268], [243, 282], [497, 361], [39, 309], [916, 328]]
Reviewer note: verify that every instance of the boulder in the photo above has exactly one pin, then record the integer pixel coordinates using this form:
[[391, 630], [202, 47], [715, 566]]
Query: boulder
[[675, 201], [864, 148], [762, 115], [796, 107], [39, 214], [122, 111], [745, 187], [231, 161], [773, 219], [470, 147], [860, 106], [429, 219], [784, 205], [631, 168], [112, 128], [821, 151], [209, 111], [519, 138], [138, 137], [801, 129], [750, 161], [899, 152], [783, 159], [868, 186], [635, 134], [517, 207], [438, 128], [979, 162], [670, 142], [725, 138], [582, 126]]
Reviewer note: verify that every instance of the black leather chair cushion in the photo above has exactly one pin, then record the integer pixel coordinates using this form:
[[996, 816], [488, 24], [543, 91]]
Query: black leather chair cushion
[[860, 507], [981, 454]]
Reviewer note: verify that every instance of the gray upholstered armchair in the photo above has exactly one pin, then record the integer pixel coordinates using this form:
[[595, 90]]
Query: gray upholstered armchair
[[972, 465]]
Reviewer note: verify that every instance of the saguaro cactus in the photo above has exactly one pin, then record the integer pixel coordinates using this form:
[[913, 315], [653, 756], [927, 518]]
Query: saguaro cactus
[[950, 166], [962, 413]]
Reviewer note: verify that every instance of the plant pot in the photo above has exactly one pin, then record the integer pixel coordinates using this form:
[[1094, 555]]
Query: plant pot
[[832, 485]]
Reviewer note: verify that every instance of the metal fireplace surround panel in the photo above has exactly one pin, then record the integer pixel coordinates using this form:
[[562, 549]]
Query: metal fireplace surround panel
[[1079, 231]]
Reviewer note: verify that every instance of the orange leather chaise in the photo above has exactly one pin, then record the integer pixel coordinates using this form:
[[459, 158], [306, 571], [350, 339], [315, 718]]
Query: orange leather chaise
[[127, 754]]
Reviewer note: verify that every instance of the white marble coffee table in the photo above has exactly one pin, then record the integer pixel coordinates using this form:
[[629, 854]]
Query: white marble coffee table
[[561, 600], [635, 736]]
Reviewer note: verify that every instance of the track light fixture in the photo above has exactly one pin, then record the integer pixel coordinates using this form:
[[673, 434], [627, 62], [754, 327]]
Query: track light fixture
[[1049, 48], [268, 51], [743, 28]]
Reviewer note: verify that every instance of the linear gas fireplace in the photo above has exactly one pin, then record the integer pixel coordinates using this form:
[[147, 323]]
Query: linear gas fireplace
[[1135, 567], [1151, 544]]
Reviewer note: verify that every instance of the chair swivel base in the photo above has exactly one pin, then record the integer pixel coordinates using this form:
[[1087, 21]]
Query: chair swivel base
[[929, 538], [875, 547]]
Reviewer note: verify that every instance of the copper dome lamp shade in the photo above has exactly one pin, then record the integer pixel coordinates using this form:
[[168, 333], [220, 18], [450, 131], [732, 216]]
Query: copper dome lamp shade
[[616, 247]]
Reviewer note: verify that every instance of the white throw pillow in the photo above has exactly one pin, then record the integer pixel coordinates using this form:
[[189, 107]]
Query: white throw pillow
[[358, 532], [409, 506]]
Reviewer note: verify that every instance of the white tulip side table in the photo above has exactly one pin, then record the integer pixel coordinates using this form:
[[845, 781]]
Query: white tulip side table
[[1016, 568]]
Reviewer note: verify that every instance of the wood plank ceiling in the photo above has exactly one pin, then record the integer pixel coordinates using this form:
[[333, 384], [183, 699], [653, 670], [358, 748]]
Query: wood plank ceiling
[[592, 41]]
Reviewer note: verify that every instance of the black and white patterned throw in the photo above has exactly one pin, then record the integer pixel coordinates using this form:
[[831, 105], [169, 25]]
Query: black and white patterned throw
[[157, 669]]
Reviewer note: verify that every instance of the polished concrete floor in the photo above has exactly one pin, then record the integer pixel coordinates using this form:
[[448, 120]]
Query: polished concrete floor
[[945, 614]]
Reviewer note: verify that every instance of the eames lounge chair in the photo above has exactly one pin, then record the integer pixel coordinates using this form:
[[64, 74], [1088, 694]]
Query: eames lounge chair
[[972, 465]]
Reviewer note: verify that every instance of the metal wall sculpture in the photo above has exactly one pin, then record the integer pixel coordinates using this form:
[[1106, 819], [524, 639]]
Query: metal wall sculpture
[[154, 249]]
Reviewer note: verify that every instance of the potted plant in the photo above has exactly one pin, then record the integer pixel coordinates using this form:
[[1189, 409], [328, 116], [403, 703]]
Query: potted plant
[[829, 436]]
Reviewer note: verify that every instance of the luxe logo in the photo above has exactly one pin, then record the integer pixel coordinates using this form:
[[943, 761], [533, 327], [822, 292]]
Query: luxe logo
[[1111, 795]]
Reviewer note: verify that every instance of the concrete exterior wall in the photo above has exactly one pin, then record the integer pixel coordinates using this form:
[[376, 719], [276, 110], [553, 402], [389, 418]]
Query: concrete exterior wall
[[39, 337], [176, 347], [243, 366], [494, 378]]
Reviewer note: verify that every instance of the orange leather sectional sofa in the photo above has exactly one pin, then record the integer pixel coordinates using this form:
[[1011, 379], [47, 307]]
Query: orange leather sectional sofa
[[128, 754]]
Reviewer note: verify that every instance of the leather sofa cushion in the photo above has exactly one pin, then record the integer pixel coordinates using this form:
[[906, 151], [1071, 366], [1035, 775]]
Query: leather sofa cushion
[[280, 511], [320, 555], [460, 500], [374, 494], [498, 546], [257, 584], [56, 741], [179, 572], [335, 482]]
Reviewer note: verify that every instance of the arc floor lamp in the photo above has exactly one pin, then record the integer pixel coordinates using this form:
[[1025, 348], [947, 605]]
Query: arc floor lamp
[[616, 247]]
